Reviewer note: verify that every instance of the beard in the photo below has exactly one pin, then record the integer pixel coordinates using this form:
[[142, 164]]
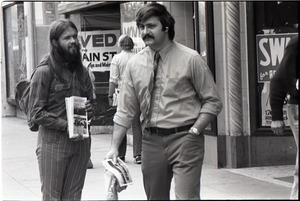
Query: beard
[[71, 54]]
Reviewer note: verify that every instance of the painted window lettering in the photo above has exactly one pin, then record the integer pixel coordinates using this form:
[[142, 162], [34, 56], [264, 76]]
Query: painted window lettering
[[98, 48]]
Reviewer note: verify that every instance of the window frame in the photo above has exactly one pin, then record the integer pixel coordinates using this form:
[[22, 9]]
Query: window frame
[[255, 125], [11, 80], [210, 49]]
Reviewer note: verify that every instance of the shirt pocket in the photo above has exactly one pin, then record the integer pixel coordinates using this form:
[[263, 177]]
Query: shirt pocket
[[172, 87], [61, 91]]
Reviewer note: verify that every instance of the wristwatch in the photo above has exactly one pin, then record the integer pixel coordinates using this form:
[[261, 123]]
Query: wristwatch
[[194, 130]]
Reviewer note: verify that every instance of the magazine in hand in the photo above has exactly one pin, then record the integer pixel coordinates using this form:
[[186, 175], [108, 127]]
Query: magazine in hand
[[77, 116], [119, 170]]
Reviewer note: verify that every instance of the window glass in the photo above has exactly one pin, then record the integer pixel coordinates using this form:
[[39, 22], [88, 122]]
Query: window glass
[[204, 40], [276, 23], [44, 14], [202, 29], [14, 33], [128, 23]]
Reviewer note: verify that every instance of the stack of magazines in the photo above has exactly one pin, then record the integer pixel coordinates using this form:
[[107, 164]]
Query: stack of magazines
[[77, 116]]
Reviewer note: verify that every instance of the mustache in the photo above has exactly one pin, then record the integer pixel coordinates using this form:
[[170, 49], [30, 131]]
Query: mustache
[[147, 36], [76, 45]]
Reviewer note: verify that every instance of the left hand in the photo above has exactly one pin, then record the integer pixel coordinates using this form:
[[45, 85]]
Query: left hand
[[278, 127], [89, 109]]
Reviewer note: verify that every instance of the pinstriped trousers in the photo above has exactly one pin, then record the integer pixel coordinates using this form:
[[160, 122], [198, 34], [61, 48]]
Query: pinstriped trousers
[[62, 164]]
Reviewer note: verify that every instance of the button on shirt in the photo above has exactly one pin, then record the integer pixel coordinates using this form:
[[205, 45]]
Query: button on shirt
[[47, 102], [184, 88]]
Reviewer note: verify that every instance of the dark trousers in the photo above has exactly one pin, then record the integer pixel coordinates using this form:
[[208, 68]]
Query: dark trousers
[[62, 165], [177, 155], [137, 138]]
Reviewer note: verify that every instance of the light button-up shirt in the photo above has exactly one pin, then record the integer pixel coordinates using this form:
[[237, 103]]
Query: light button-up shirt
[[185, 88]]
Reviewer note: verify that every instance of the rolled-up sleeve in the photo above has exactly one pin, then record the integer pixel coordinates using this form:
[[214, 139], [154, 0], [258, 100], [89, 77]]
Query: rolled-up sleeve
[[128, 103], [205, 87], [114, 71]]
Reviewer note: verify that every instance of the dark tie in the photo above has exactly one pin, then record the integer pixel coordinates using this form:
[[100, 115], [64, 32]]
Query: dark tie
[[155, 66], [147, 99]]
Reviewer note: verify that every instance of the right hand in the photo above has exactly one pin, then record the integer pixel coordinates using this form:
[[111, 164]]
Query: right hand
[[278, 127], [110, 101], [112, 154], [89, 109]]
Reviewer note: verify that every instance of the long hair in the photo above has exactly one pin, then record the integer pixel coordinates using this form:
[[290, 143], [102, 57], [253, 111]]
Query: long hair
[[56, 61], [160, 11]]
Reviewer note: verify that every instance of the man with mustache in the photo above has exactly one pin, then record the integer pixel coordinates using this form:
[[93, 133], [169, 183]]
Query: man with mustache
[[62, 161], [175, 91]]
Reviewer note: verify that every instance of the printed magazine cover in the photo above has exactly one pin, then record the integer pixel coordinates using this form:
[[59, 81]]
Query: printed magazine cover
[[77, 116], [120, 171]]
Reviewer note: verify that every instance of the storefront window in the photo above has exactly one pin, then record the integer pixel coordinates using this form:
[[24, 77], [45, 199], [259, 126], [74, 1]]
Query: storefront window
[[204, 43], [276, 23], [100, 30], [14, 33], [202, 30], [44, 14]]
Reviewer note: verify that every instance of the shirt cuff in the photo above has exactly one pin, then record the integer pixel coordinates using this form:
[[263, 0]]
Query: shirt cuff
[[277, 115], [213, 109], [62, 125], [122, 122], [115, 81]]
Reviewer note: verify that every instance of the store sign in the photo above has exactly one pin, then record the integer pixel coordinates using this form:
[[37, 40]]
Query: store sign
[[98, 48], [270, 51]]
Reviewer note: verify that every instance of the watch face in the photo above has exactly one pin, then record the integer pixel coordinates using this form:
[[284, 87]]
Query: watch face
[[195, 130]]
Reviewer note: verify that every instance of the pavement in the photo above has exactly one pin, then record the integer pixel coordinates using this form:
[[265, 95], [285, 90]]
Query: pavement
[[20, 175]]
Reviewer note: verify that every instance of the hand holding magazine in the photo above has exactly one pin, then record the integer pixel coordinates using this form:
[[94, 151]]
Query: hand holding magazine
[[119, 170], [77, 117]]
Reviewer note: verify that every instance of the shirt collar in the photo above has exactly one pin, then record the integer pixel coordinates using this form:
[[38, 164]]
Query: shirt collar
[[165, 50]]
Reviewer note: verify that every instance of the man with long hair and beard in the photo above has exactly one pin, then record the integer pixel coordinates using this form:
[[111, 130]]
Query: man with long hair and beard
[[62, 161]]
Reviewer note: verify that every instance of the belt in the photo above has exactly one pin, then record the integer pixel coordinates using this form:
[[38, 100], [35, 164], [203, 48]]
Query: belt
[[168, 131]]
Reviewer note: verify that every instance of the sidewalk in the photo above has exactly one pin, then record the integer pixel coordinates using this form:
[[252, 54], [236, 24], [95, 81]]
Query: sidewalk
[[20, 175]]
